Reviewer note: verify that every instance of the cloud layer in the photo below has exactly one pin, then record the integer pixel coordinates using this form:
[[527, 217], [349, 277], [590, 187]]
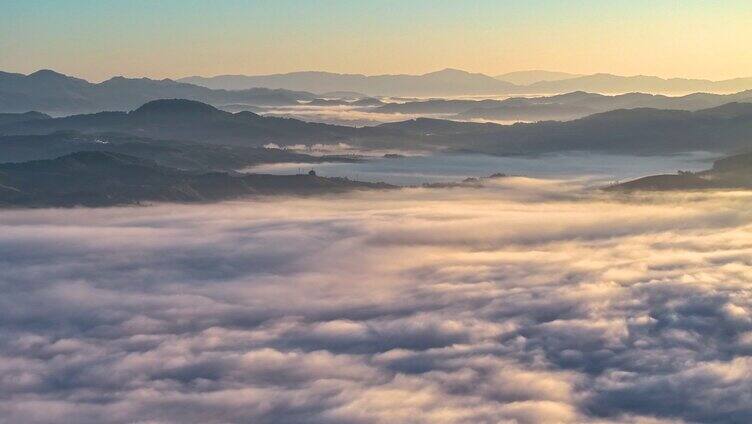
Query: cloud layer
[[525, 302]]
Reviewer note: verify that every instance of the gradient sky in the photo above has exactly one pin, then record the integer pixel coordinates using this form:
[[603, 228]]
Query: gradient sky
[[175, 38]]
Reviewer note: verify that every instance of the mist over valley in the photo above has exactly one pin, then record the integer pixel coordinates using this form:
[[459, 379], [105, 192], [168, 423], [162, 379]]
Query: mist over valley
[[493, 212]]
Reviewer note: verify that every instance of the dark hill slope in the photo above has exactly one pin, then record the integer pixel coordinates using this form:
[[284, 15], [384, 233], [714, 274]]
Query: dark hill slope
[[10, 118], [625, 131], [182, 119], [176, 154], [52, 92], [105, 179], [645, 131]]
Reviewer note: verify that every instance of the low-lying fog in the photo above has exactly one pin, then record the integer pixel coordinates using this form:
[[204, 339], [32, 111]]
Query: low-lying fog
[[527, 301], [337, 115], [418, 169], [347, 115]]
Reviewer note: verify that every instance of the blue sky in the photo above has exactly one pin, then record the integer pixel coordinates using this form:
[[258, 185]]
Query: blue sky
[[170, 38]]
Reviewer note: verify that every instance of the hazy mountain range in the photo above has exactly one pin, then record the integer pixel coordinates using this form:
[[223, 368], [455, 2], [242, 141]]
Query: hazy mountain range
[[172, 153], [607, 83], [734, 172], [643, 131], [9, 118], [447, 82], [106, 179], [531, 77], [559, 107], [171, 150], [723, 129], [451, 82], [55, 93], [190, 121]]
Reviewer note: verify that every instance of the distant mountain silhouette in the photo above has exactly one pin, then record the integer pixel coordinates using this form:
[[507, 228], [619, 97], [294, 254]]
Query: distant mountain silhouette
[[607, 83], [734, 172], [728, 110], [445, 82], [57, 94], [558, 107], [635, 131], [328, 102], [427, 127], [9, 118], [367, 101], [528, 111], [666, 182], [177, 154], [344, 95], [451, 82], [107, 179], [624, 131], [531, 77], [52, 92], [436, 106], [580, 104], [189, 120]]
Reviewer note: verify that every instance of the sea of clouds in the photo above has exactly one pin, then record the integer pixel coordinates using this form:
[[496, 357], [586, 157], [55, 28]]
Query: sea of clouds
[[349, 115], [524, 302]]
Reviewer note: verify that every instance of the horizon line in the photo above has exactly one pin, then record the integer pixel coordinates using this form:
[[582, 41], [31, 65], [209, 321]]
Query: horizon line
[[495, 76]]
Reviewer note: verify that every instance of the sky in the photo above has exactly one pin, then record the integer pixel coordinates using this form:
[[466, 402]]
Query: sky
[[175, 38]]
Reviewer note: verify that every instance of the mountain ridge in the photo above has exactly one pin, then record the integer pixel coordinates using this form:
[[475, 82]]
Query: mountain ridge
[[446, 81], [55, 93], [533, 76], [557, 83], [728, 173], [189, 120], [633, 131], [112, 179], [171, 153], [566, 106]]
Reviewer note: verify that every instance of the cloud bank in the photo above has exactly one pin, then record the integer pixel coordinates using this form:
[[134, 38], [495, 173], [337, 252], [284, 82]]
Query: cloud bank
[[524, 302]]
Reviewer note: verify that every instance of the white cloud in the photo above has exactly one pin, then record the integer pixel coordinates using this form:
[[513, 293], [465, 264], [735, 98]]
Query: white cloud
[[523, 302]]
